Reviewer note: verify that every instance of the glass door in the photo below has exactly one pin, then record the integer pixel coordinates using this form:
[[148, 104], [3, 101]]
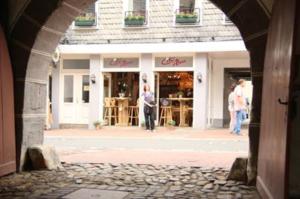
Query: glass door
[[76, 97], [82, 98], [107, 85], [68, 108]]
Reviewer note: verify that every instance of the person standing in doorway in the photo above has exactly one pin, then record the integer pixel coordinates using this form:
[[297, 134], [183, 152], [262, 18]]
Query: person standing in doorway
[[148, 98], [239, 105], [231, 108]]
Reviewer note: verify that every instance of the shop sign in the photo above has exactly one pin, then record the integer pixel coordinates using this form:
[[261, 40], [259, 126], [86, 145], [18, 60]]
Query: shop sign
[[121, 62], [174, 61]]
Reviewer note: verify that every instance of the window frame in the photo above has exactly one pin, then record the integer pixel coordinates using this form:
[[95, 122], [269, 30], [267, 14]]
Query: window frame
[[198, 4], [126, 9], [226, 20], [95, 26]]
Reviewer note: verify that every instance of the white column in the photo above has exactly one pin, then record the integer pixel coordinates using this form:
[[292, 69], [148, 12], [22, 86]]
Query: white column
[[200, 91], [146, 68], [96, 90], [55, 95]]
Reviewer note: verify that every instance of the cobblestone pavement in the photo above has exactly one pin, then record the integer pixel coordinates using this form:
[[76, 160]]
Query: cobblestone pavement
[[138, 181]]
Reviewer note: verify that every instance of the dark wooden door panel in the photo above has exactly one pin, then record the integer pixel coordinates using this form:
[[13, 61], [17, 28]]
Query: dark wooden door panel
[[272, 171], [7, 124]]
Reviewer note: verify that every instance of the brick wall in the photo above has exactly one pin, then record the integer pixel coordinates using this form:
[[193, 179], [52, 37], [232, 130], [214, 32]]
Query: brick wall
[[161, 25]]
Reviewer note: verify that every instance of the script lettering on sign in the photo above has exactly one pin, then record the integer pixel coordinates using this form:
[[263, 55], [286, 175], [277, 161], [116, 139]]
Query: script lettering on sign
[[172, 61], [120, 62], [181, 61]]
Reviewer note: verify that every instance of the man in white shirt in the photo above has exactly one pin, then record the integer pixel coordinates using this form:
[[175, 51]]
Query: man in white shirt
[[239, 105]]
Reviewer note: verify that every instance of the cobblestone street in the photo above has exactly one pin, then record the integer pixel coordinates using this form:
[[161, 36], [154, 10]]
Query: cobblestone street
[[129, 180]]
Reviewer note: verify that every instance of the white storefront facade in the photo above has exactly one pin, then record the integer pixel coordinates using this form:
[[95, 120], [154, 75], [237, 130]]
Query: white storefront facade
[[83, 74]]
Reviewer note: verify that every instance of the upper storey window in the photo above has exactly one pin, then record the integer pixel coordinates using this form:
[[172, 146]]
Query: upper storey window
[[226, 20], [188, 12], [88, 18], [136, 13]]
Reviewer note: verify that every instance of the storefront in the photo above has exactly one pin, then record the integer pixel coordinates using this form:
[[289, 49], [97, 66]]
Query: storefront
[[121, 91], [174, 89], [188, 86]]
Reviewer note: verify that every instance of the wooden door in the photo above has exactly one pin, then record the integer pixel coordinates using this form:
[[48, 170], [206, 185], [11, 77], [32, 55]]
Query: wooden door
[[7, 124], [272, 170]]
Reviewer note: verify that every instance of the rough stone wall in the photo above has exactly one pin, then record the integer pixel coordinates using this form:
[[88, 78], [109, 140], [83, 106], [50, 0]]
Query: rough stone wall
[[160, 25]]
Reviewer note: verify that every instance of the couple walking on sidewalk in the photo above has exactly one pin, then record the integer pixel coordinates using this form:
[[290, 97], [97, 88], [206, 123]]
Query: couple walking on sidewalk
[[237, 106]]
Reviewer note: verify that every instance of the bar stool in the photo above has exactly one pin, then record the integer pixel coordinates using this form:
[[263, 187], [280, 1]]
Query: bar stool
[[165, 115], [134, 113], [110, 110]]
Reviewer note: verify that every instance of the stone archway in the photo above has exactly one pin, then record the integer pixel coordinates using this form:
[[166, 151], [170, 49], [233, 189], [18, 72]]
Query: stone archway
[[39, 27]]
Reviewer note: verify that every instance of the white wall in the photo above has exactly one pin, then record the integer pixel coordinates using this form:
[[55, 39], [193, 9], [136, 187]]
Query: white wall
[[96, 90], [200, 91], [55, 95], [146, 63], [217, 82]]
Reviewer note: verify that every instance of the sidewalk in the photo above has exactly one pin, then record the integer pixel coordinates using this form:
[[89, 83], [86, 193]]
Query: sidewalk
[[133, 145], [161, 132]]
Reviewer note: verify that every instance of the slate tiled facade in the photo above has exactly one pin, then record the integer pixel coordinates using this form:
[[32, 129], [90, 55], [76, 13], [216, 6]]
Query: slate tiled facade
[[161, 27], [149, 44]]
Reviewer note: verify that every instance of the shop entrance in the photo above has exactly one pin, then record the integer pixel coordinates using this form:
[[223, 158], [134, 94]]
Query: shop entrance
[[121, 98], [231, 76], [75, 101], [174, 94]]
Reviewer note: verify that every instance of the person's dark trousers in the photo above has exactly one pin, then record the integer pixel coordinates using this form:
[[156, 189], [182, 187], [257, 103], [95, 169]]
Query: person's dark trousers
[[149, 118]]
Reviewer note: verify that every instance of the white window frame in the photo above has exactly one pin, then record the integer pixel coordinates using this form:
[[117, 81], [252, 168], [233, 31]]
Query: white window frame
[[95, 27], [198, 4], [226, 20], [125, 9]]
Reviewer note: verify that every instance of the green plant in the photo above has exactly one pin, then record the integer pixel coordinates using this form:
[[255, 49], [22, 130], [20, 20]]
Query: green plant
[[180, 93], [171, 123], [122, 86], [97, 124], [85, 20], [187, 17], [134, 17], [134, 20]]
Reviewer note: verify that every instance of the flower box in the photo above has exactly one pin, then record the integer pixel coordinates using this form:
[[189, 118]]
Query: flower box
[[86, 19], [90, 22], [135, 21], [186, 18]]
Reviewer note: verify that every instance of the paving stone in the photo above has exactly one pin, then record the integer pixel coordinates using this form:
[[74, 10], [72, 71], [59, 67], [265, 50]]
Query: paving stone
[[139, 181], [208, 186]]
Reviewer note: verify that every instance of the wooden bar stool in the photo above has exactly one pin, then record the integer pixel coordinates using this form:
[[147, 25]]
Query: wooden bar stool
[[165, 115], [110, 110], [134, 113]]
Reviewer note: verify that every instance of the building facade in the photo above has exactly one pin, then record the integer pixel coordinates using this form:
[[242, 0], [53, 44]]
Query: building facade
[[182, 48]]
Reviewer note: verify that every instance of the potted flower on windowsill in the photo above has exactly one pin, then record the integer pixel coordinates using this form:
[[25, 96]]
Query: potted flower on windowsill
[[143, 124], [85, 20], [134, 20], [171, 125], [186, 17]]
